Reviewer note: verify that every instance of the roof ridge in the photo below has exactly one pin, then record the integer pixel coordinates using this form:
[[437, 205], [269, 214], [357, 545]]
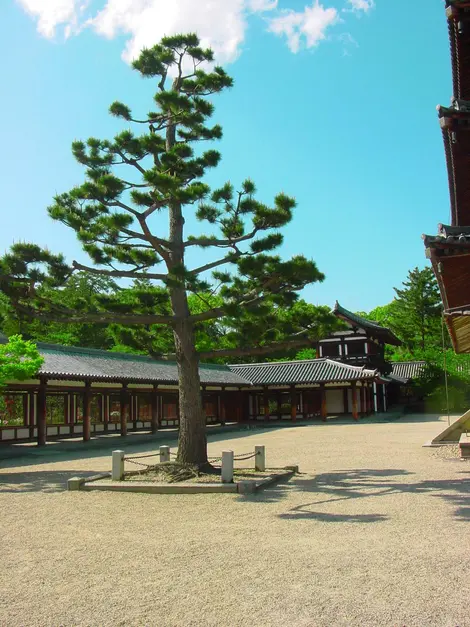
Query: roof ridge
[[102, 352], [357, 368], [355, 319], [410, 361], [276, 363]]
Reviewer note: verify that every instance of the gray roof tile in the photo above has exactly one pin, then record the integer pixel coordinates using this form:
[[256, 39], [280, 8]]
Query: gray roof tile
[[69, 362], [302, 372], [408, 370]]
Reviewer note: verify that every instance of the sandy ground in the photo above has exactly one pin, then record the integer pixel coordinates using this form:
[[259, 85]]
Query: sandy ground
[[374, 532]]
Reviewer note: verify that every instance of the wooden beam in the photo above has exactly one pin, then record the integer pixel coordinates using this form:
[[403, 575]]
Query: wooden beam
[[41, 413], [124, 408], [154, 406], [354, 400], [293, 404], [87, 411], [324, 409]]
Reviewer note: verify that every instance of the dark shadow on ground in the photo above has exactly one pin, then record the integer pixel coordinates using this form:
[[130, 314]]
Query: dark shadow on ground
[[366, 484], [41, 481]]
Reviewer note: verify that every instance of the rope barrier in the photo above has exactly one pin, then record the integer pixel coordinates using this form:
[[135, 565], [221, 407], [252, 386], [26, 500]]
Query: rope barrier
[[239, 457], [131, 461], [141, 456]]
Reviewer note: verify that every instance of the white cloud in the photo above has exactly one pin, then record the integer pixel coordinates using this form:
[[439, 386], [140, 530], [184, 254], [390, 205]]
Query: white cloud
[[52, 13], [221, 24], [262, 5], [311, 24], [361, 5]]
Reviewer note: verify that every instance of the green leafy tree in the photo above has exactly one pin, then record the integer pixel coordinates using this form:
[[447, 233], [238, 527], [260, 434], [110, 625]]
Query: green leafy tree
[[81, 292], [19, 360], [133, 184]]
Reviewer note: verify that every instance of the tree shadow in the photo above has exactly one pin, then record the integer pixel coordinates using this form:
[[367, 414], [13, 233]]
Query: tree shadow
[[364, 484], [41, 481]]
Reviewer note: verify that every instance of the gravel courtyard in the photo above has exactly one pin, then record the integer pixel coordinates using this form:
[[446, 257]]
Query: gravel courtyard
[[375, 531]]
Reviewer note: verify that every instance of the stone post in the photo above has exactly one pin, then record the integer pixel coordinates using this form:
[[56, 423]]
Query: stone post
[[164, 454], [117, 470], [227, 466], [260, 459]]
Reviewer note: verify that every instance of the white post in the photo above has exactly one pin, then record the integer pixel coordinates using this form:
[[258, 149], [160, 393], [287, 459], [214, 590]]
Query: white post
[[227, 466], [164, 454], [375, 397], [117, 470], [260, 458]]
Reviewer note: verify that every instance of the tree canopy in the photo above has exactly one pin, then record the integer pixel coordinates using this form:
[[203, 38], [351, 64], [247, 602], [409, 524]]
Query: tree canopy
[[19, 360]]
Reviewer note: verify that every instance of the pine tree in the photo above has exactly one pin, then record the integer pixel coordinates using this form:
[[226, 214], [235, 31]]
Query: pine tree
[[417, 310], [132, 183]]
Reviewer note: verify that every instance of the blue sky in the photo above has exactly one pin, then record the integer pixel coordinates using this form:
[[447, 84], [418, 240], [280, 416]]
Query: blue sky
[[334, 102]]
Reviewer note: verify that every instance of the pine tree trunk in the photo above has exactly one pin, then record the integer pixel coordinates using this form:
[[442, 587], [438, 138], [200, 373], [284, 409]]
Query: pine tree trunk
[[192, 443]]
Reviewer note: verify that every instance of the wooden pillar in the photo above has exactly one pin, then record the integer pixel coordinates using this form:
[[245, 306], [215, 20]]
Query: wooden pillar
[[324, 409], [87, 411], [105, 403], [41, 412], [266, 405], [124, 408], [293, 404], [31, 412], [345, 401], [154, 406], [222, 401], [363, 400], [354, 400]]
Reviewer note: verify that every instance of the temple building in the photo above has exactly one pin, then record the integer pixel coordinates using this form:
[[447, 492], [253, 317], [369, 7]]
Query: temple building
[[81, 392], [449, 250]]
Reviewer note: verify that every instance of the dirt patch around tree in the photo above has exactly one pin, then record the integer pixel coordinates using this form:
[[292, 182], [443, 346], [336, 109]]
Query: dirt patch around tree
[[176, 473]]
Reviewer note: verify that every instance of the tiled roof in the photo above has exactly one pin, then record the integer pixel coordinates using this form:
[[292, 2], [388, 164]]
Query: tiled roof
[[408, 370], [302, 372], [373, 328], [66, 362]]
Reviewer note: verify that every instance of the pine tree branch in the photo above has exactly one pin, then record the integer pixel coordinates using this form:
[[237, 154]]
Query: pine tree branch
[[215, 264], [250, 299], [105, 317], [161, 245], [258, 350], [221, 243], [131, 274], [132, 162]]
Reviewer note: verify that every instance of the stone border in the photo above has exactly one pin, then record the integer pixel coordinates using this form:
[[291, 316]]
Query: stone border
[[96, 482], [464, 446]]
